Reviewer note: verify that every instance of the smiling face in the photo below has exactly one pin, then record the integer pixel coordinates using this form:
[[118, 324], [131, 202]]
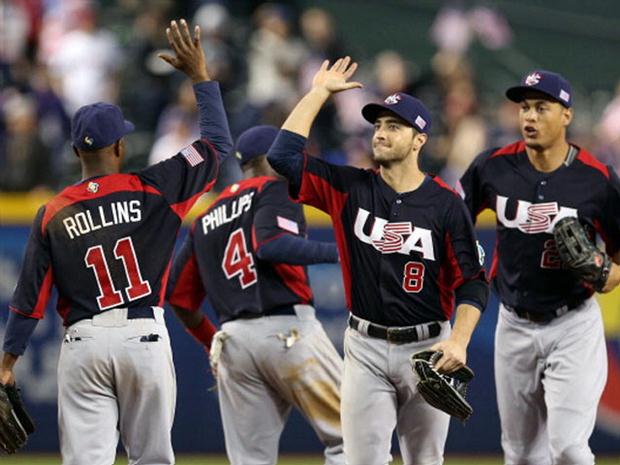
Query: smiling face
[[394, 139], [543, 121]]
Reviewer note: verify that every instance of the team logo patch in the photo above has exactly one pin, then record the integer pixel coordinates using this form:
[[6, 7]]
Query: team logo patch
[[192, 156], [92, 187], [288, 225], [392, 99], [89, 141], [533, 79], [564, 95], [481, 253], [234, 188]]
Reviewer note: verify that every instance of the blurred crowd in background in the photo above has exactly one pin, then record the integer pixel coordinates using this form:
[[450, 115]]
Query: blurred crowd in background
[[58, 55]]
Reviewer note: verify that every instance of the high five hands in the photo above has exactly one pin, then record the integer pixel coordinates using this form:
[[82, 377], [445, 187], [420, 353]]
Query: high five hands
[[336, 78], [190, 57]]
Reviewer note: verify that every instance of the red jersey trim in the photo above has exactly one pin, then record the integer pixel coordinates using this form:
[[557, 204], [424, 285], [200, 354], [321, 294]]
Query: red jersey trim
[[251, 183], [44, 294], [188, 292], [29, 315], [336, 203], [106, 185], [450, 277], [444, 185], [590, 160], [511, 149], [295, 279]]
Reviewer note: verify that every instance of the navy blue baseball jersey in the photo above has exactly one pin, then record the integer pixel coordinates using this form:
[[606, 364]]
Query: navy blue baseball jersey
[[403, 254], [219, 257], [526, 267], [107, 241]]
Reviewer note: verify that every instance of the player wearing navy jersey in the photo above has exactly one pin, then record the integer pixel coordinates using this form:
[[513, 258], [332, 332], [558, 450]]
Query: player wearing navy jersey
[[408, 254], [105, 244], [247, 254], [550, 359]]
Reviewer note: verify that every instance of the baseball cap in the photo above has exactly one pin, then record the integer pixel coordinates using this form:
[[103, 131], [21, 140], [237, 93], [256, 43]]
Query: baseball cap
[[255, 142], [407, 107], [549, 83], [98, 125]]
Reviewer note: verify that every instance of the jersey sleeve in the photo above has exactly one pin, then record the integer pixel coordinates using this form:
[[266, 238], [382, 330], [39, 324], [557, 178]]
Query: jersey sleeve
[[185, 288], [311, 180], [276, 214], [464, 258], [34, 285], [183, 178], [212, 118], [470, 185], [609, 225]]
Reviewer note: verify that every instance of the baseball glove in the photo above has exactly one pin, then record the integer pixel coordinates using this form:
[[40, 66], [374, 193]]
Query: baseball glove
[[579, 254], [15, 423], [445, 392]]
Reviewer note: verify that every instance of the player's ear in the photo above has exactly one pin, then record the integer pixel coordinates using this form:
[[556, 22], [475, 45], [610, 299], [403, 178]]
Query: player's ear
[[567, 115], [75, 151], [119, 148], [419, 139]]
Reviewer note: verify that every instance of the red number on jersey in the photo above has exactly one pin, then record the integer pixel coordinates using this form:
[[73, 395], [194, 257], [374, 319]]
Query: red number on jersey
[[109, 296], [237, 261], [413, 279], [550, 258]]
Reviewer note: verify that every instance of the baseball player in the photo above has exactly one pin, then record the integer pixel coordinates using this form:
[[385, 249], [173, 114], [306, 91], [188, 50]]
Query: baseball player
[[246, 254], [550, 359], [408, 254], [105, 243]]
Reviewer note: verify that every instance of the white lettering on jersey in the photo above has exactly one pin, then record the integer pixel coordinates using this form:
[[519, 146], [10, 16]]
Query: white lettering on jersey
[[106, 215], [391, 237], [221, 214], [533, 218]]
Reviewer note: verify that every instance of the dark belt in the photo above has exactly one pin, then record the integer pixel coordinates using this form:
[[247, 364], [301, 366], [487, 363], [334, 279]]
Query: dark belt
[[396, 334], [545, 316], [132, 314], [275, 311]]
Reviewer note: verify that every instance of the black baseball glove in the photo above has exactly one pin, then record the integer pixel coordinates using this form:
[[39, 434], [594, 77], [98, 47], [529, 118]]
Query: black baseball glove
[[445, 392], [15, 423], [580, 255]]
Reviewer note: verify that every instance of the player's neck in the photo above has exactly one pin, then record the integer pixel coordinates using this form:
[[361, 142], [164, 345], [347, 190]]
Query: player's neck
[[550, 158], [90, 171], [404, 176]]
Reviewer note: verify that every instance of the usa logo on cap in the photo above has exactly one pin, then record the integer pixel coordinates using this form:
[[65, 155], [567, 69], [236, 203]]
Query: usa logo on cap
[[532, 79], [392, 99]]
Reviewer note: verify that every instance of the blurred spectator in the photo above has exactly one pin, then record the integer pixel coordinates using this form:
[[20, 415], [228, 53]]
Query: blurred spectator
[[86, 60], [464, 131], [504, 128], [608, 133], [25, 161], [274, 57], [177, 126]]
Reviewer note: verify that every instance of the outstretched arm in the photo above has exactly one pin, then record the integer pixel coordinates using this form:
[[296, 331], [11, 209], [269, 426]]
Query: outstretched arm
[[285, 155], [190, 59]]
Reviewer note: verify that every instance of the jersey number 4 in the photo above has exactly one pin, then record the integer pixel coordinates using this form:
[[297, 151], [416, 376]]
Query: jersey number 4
[[109, 296], [237, 261]]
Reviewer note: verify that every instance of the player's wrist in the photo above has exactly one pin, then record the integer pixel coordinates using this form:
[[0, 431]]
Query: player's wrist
[[320, 92]]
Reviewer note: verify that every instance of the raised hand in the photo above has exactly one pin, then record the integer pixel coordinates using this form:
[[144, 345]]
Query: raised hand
[[335, 78], [190, 57]]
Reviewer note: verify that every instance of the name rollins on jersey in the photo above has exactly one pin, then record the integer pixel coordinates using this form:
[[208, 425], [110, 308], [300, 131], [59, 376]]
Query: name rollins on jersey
[[222, 215], [105, 216]]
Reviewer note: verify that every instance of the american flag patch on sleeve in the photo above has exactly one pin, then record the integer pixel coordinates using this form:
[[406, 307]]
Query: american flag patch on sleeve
[[288, 225], [192, 156]]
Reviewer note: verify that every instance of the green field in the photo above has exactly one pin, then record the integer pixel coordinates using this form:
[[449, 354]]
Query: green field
[[219, 460]]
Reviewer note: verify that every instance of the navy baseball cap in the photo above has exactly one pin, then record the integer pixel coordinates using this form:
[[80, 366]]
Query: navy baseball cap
[[407, 107], [255, 142], [552, 84], [98, 125]]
